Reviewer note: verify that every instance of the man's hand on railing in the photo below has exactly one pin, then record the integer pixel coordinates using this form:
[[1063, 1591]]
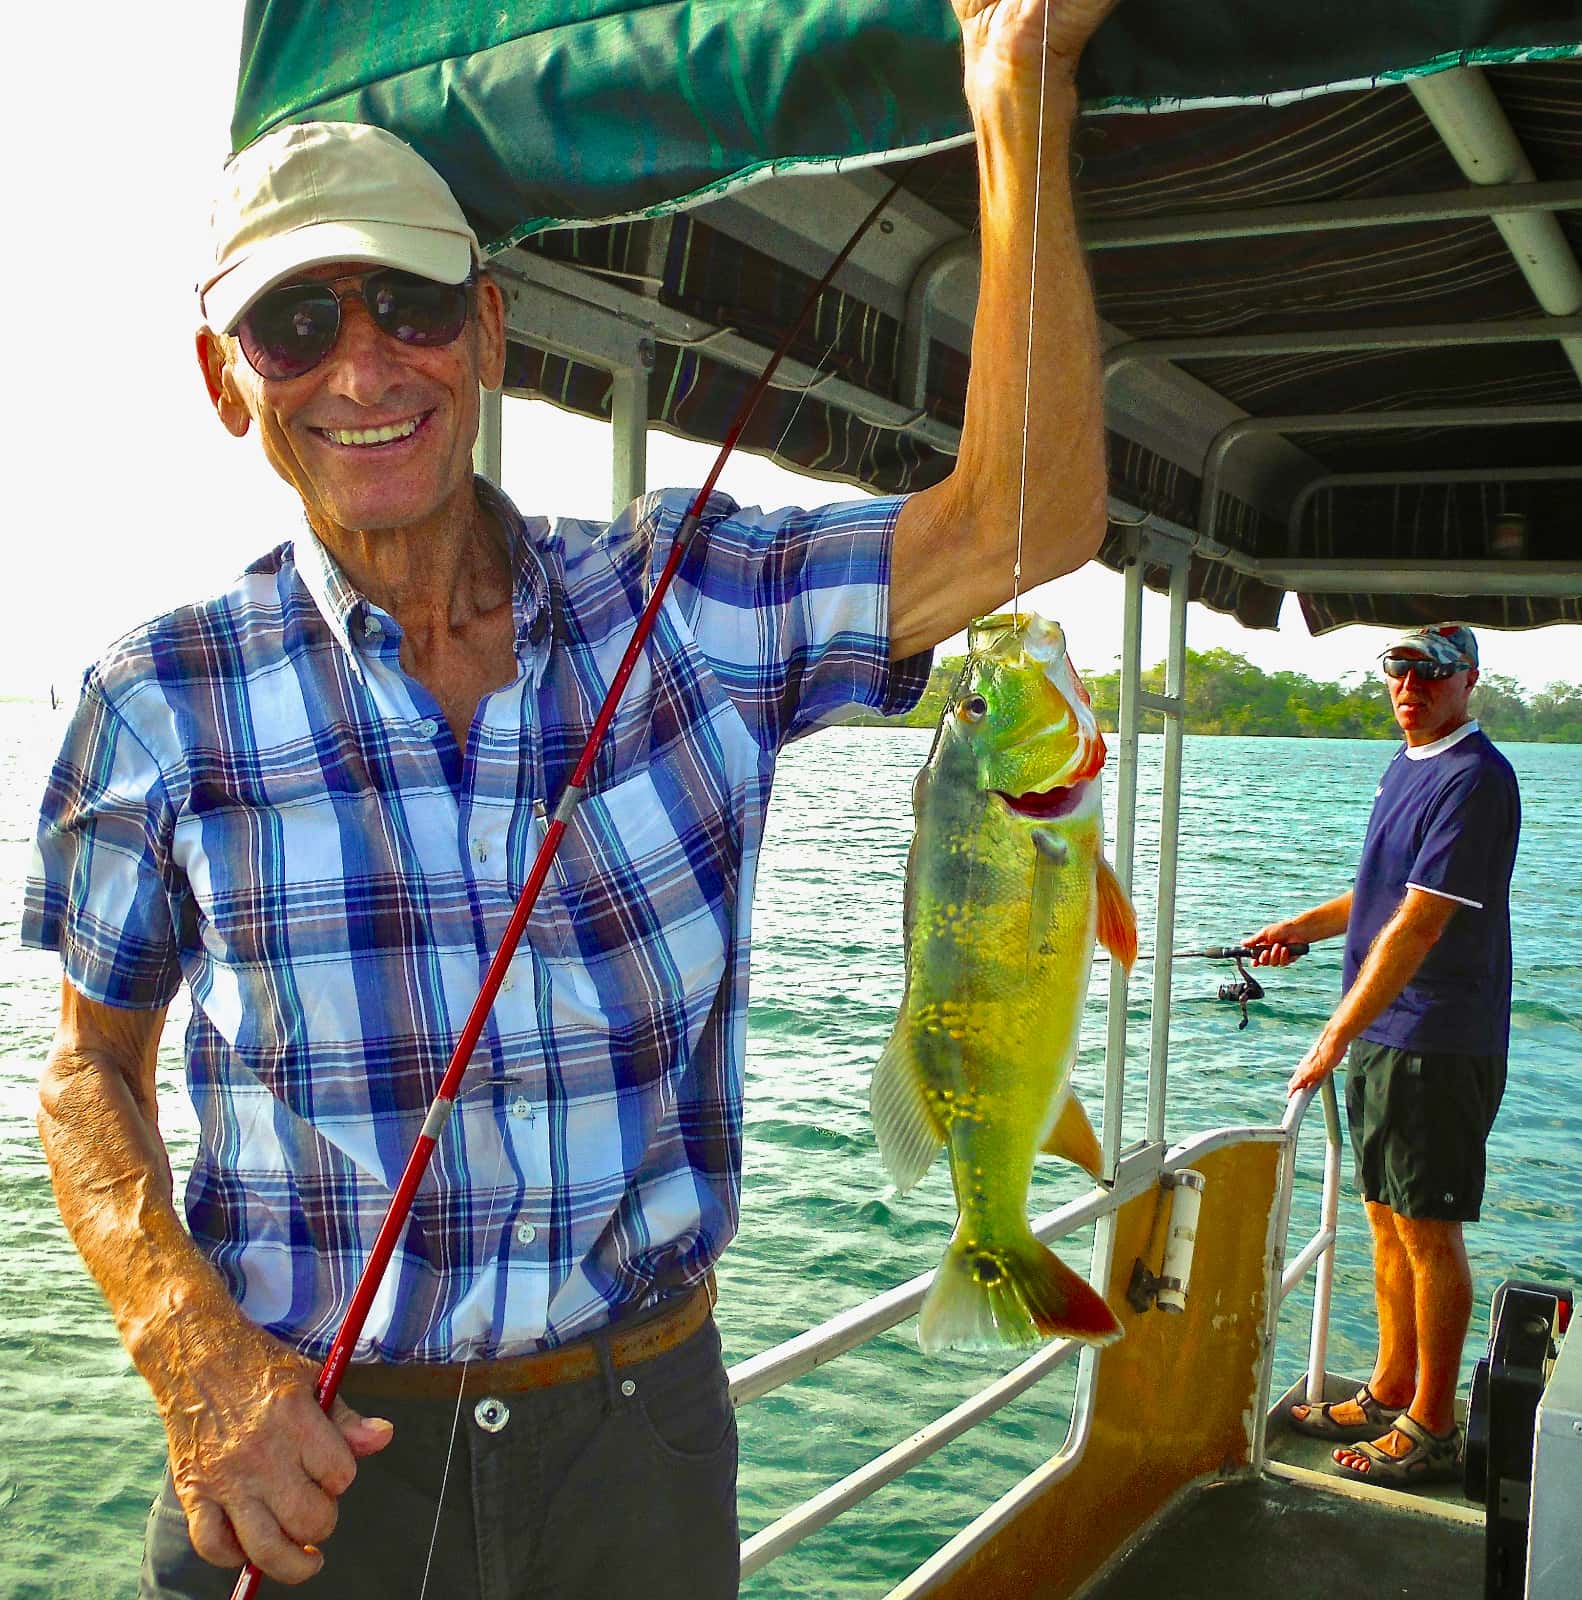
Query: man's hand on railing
[[1327, 1054]]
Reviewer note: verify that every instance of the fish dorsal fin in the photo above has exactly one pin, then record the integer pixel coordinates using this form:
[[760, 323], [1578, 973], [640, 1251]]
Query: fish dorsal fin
[[1073, 1138], [1050, 855], [1117, 921], [908, 1132]]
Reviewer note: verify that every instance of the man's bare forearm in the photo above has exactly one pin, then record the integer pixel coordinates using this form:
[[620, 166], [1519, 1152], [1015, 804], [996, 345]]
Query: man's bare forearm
[[1030, 458], [112, 1181], [1327, 921], [255, 1462], [1391, 964], [1064, 482]]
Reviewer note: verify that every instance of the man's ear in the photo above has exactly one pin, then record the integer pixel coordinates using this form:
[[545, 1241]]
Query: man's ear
[[215, 362], [491, 333], [1472, 677]]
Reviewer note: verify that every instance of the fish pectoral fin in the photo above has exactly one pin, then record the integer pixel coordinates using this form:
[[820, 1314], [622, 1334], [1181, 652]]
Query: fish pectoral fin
[[1073, 1139], [909, 1134], [1117, 928], [1049, 856]]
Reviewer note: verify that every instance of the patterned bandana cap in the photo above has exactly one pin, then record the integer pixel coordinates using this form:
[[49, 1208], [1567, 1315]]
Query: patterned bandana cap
[[1449, 643]]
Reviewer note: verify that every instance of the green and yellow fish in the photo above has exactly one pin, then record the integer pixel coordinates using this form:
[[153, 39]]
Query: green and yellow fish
[[1006, 889]]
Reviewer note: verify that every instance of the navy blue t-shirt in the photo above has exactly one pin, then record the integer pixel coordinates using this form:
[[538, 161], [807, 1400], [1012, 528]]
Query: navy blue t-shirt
[[1445, 819]]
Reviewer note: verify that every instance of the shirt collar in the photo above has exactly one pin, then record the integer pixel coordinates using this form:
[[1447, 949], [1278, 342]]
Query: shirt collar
[[345, 611], [1426, 752]]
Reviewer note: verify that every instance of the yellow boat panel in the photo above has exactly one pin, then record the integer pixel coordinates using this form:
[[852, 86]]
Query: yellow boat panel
[[1175, 1399]]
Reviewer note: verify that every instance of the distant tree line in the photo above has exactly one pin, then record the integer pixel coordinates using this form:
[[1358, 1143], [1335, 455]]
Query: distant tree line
[[1226, 693]]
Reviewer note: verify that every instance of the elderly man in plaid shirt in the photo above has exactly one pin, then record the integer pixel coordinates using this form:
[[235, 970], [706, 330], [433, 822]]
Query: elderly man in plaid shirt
[[315, 798]]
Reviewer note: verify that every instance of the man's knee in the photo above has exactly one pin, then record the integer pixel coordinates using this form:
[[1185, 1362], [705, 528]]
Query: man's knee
[[1428, 1239]]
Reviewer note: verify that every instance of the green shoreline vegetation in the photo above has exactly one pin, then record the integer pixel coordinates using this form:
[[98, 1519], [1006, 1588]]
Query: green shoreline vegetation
[[1227, 694]]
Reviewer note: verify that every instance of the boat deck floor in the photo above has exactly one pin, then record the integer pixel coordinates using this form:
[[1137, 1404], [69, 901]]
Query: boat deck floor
[[1305, 1531], [1259, 1536], [1296, 1450]]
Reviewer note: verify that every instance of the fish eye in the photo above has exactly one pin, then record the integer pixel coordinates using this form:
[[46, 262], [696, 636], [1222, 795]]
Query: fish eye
[[973, 707]]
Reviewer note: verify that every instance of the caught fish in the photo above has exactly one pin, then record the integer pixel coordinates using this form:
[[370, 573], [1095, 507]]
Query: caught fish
[[1006, 889]]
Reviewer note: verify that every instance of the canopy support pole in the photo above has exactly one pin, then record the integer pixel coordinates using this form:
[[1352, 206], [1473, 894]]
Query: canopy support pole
[[1426, 418], [1174, 711], [1468, 117], [1125, 841], [629, 428]]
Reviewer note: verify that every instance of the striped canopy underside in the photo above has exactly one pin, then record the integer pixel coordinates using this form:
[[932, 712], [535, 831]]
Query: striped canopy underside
[[547, 118]]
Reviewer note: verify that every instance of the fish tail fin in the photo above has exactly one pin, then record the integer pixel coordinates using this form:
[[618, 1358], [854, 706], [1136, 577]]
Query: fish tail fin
[[908, 1132], [984, 1296], [1117, 928]]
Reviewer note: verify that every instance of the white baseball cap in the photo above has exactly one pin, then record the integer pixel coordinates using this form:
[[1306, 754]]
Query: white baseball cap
[[312, 193]]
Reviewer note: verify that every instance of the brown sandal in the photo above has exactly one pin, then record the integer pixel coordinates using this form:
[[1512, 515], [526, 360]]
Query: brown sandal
[[1320, 1423], [1433, 1458]]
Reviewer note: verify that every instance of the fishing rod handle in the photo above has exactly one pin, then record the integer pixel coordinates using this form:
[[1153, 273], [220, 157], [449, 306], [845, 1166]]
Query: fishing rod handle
[[1246, 952]]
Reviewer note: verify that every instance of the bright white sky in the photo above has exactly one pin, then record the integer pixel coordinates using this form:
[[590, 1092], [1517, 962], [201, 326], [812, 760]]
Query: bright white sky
[[128, 497]]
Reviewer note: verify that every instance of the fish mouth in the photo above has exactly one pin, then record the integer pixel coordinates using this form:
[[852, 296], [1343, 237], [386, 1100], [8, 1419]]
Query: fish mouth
[[1042, 805]]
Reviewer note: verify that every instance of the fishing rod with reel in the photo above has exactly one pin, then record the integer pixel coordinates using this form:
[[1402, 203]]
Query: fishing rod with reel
[[1247, 988]]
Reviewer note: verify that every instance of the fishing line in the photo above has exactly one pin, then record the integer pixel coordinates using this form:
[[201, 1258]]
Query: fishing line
[[467, 1360], [1032, 291]]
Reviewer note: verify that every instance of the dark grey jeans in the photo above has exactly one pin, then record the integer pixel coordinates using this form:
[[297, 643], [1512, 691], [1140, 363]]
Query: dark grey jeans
[[586, 1492]]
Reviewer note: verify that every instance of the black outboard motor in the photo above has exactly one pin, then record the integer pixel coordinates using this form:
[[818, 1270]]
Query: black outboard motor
[[1526, 1321]]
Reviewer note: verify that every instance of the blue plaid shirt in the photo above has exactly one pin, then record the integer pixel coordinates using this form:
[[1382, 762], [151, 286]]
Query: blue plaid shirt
[[255, 797]]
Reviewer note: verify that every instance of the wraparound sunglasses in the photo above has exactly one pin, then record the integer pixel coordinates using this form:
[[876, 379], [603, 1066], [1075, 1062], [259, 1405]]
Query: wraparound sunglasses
[[289, 331], [1428, 671]]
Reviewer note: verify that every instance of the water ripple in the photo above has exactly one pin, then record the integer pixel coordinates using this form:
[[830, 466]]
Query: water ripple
[[822, 1229]]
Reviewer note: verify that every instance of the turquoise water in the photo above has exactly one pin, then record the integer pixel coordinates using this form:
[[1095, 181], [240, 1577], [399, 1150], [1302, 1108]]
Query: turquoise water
[[1269, 826]]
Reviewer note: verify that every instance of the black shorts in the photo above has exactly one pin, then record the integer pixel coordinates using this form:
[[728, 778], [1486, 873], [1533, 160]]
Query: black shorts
[[1419, 1122]]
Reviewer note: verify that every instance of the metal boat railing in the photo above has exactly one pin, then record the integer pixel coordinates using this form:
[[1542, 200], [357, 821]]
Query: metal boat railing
[[1140, 1170], [1317, 1252], [1321, 1247]]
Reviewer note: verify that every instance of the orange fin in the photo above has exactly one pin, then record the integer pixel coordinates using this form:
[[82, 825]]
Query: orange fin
[[1117, 920], [1073, 1138]]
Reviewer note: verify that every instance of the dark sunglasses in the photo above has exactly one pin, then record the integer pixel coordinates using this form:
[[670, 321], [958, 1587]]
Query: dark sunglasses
[[290, 330], [1427, 671]]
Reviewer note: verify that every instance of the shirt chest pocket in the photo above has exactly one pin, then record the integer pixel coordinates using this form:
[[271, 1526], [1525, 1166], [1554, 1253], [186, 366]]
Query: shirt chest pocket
[[320, 877], [641, 898]]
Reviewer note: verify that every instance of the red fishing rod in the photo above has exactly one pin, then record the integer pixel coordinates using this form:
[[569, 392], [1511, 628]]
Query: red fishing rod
[[444, 1102]]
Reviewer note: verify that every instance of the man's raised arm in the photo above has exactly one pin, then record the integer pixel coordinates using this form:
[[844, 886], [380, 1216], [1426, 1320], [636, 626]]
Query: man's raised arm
[[955, 543]]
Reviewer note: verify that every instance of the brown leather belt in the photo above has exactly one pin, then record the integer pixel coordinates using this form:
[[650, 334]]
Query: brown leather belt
[[638, 1338]]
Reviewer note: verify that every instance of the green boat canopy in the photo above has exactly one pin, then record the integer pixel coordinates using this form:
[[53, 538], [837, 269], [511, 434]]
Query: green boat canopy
[[585, 110], [1282, 207]]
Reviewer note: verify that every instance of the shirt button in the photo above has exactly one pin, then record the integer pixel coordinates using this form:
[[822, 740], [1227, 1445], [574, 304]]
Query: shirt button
[[373, 627], [427, 727], [526, 1233], [521, 1106], [490, 1414], [481, 849]]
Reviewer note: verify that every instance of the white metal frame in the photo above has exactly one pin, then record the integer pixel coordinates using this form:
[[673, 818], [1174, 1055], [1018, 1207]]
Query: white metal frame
[[1134, 1171], [613, 325]]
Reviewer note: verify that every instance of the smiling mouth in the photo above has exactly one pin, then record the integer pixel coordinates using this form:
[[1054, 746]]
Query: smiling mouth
[[372, 438]]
